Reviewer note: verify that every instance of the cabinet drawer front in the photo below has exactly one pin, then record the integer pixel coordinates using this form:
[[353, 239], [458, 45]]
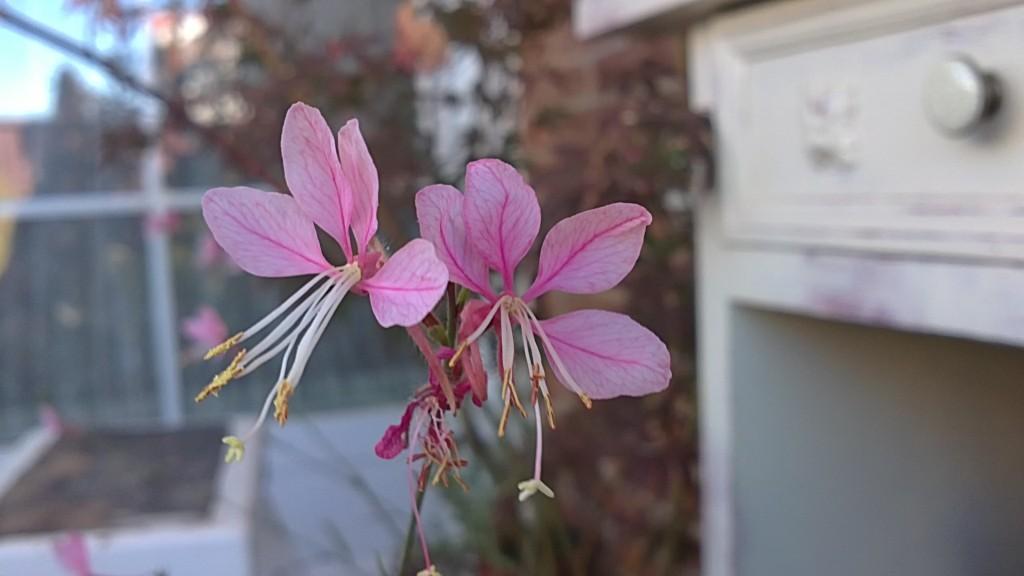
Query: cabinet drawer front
[[823, 134]]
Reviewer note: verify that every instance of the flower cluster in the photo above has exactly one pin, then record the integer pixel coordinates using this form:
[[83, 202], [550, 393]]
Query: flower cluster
[[469, 238]]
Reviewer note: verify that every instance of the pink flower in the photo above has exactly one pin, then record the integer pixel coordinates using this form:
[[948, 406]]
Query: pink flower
[[274, 235], [72, 554], [204, 329], [50, 420], [594, 353], [424, 430]]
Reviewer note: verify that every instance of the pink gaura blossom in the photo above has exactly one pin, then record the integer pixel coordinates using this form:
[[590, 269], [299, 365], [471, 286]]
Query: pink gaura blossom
[[274, 235], [424, 431], [73, 555], [594, 353]]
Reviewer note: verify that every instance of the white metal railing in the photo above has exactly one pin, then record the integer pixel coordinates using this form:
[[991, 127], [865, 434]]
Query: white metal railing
[[152, 201], [103, 204]]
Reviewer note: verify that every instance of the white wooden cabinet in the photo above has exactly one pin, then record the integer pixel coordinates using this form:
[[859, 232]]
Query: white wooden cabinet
[[884, 448], [596, 17], [820, 109], [861, 288]]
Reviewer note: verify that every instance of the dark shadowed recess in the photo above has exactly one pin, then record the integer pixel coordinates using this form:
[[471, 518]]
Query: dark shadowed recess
[[103, 479]]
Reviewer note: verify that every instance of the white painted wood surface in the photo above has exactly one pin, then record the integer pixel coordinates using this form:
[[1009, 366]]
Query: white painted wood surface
[[592, 18], [837, 199], [819, 110]]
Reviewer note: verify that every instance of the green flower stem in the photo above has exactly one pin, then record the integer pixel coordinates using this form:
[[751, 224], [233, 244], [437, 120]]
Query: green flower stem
[[410, 533], [453, 315]]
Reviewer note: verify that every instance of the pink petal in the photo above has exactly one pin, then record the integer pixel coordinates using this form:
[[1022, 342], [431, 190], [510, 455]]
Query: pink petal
[[476, 374], [361, 174], [435, 368], [591, 251], [408, 286], [609, 354], [396, 437], [391, 444], [439, 210], [265, 233], [313, 172], [473, 313], [501, 213], [72, 553]]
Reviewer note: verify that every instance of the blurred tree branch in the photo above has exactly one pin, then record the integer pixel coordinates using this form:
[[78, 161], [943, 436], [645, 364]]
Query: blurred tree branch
[[174, 106]]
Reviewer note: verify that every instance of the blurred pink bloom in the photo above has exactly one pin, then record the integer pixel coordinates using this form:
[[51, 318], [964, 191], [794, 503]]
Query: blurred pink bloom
[[274, 235], [204, 329], [50, 419], [72, 553], [208, 253], [168, 222], [595, 353]]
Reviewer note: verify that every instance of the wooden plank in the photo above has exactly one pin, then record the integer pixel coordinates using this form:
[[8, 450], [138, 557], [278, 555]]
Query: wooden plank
[[592, 18]]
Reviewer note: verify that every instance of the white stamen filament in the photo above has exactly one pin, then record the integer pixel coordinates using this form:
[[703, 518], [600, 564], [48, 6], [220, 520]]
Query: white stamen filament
[[307, 309], [481, 329], [266, 320], [319, 325], [560, 371], [530, 487], [540, 441], [263, 413], [526, 345], [437, 422], [532, 350], [304, 326], [508, 346], [529, 326], [417, 429]]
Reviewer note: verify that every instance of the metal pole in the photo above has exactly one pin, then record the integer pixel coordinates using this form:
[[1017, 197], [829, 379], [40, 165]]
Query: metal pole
[[160, 276]]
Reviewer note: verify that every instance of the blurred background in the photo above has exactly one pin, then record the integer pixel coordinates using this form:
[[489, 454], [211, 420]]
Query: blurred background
[[115, 117]]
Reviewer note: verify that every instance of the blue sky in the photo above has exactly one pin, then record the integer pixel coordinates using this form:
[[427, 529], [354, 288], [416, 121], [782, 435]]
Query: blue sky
[[28, 67]]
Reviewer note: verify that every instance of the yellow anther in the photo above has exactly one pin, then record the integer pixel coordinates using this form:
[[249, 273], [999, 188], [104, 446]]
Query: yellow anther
[[530, 487], [511, 398], [236, 449], [431, 571], [515, 396], [224, 346], [458, 354], [586, 400], [439, 474], [284, 392], [221, 380], [551, 411], [504, 418]]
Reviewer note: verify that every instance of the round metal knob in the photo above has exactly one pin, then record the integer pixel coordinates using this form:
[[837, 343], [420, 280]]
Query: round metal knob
[[959, 96]]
